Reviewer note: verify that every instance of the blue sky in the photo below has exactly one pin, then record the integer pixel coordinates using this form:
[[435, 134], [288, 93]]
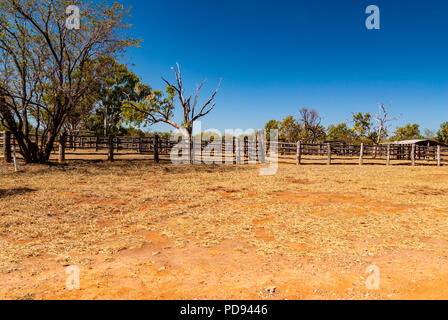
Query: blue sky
[[276, 57]]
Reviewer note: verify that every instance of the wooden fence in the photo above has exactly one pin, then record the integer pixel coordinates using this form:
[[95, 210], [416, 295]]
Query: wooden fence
[[242, 150], [155, 146], [412, 154]]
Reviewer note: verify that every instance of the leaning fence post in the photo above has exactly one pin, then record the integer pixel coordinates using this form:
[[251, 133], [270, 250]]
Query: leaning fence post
[[61, 148], [299, 152], [413, 154], [361, 155], [388, 155], [7, 146], [329, 153], [156, 149], [111, 148], [439, 158]]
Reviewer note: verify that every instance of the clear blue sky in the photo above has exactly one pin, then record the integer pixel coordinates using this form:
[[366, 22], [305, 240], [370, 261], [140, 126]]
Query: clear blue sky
[[276, 57]]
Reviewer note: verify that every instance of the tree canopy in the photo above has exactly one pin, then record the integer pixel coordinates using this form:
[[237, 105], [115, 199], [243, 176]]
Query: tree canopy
[[408, 132], [290, 129], [48, 70], [340, 132], [308, 128], [271, 125], [442, 134], [363, 130], [108, 116]]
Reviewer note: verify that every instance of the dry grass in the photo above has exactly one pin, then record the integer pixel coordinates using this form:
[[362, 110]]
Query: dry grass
[[342, 213], [101, 207]]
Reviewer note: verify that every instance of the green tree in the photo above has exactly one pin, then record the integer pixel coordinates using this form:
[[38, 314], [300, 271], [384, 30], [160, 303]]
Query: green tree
[[442, 134], [290, 129], [120, 87], [363, 128], [362, 124], [48, 70], [408, 132], [271, 125], [340, 132]]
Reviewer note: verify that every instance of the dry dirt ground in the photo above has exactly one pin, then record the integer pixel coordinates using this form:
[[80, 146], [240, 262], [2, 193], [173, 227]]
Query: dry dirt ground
[[138, 230]]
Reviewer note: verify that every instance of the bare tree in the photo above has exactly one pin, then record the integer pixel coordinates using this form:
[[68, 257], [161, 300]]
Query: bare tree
[[157, 109], [311, 122], [383, 120], [189, 109]]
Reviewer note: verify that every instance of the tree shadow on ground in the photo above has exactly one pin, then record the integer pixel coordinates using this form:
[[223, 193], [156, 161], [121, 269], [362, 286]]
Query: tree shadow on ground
[[4, 193], [125, 167]]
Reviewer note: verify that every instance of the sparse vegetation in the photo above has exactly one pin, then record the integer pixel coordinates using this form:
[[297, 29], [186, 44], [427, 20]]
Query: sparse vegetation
[[340, 218]]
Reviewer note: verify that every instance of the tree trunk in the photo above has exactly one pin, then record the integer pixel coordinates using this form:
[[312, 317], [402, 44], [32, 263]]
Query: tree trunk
[[191, 144], [375, 151], [31, 151]]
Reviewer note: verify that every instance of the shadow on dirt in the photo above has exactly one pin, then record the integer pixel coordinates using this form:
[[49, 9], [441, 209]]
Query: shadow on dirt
[[15, 192]]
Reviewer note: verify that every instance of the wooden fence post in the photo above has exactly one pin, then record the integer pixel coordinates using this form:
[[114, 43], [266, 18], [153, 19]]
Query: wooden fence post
[[238, 158], [156, 149], [233, 151], [62, 138], [439, 159], [7, 147], [262, 153], [139, 145], [361, 155], [246, 149], [14, 156], [73, 139], [413, 154], [299, 152], [329, 153], [111, 149], [388, 155]]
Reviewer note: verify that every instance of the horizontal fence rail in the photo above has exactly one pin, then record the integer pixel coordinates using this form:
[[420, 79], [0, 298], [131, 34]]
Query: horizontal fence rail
[[240, 150]]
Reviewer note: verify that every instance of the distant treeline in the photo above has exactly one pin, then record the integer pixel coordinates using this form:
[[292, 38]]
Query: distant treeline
[[363, 128]]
